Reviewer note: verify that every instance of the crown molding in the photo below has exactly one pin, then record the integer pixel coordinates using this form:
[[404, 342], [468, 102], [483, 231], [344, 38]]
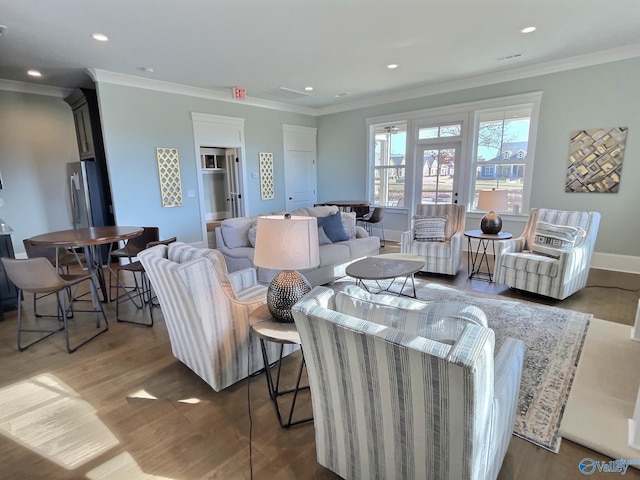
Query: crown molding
[[587, 60], [23, 87], [105, 76]]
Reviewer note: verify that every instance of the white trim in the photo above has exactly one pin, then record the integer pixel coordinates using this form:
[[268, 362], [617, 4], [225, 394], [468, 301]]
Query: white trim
[[615, 263], [23, 87], [580, 61], [105, 76]]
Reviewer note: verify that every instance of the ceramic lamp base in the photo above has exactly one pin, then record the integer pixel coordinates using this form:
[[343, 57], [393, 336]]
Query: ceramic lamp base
[[491, 223], [284, 291]]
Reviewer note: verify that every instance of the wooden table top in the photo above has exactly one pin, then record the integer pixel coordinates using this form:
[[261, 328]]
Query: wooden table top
[[80, 237]]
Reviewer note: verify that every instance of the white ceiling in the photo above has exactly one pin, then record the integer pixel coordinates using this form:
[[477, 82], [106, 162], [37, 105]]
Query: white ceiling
[[335, 46]]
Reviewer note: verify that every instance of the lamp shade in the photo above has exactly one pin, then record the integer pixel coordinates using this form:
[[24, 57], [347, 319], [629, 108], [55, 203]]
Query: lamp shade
[[4, 228], [492, 200], [287, 243]]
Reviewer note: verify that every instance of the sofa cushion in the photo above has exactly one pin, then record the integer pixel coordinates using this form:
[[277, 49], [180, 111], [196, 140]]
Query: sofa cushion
[[362, 247], [252, 235], [333, 254], [429, 229], [333, 227], [321, 210], [349, 223], [235, 237], [441, 321], [322, 237]]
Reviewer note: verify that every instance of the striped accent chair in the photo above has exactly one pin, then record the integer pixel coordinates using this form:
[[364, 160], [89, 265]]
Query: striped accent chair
[[441, 255], [428, 402], [552, 256], [206, 311]]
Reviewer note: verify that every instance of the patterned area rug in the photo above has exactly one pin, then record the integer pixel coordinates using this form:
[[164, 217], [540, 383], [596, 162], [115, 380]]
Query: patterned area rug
[[553, 339]]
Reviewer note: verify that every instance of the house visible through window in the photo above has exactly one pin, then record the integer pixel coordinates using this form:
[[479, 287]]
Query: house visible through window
[[448, 154], [389, 164]]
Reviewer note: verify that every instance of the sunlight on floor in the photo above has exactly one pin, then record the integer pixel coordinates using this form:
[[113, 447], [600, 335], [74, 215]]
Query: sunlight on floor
[[121, 467], [51, 419], [48, 417]]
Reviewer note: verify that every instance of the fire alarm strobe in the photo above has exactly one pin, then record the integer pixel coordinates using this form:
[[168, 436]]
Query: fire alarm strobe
[[238, 93]]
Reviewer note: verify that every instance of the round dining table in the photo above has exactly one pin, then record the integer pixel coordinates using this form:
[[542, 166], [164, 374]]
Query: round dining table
[[89, 238]]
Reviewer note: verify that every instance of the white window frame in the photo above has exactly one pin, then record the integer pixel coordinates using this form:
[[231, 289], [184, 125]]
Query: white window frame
[[465, 113]]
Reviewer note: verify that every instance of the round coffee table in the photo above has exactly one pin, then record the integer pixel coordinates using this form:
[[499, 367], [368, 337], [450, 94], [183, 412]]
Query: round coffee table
[[388, 266]]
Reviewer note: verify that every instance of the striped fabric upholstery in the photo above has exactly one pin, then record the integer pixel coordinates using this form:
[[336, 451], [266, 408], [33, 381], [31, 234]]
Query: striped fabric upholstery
[[388, 404], [440, 257], [207, 321], [557, 274]]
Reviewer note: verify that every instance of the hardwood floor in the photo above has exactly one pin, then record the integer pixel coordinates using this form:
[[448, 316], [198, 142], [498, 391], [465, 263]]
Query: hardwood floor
[[175, 426]]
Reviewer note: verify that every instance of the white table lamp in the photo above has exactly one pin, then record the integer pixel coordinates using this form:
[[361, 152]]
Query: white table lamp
[[286, 243], [493, 201]]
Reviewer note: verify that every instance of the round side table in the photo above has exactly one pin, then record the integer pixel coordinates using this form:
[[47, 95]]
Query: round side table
[[269, 330], [474, 264]]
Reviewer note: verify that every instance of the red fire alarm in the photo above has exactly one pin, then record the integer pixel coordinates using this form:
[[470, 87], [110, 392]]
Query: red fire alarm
[[238, 93]]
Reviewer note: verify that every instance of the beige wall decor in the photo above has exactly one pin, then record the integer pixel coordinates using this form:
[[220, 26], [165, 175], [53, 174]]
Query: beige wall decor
[[595, 160], [267, 187], [169, 173]]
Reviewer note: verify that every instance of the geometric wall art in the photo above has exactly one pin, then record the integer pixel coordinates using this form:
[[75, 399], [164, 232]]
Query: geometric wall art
[[169, 173], [595, 160], [267, 187]]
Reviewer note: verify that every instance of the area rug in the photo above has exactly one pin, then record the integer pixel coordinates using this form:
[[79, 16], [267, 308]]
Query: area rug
[[604, 392], [553, 339]]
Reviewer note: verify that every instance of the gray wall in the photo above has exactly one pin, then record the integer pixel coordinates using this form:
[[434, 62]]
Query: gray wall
[[136, 121], [600, 96], [37, 139]]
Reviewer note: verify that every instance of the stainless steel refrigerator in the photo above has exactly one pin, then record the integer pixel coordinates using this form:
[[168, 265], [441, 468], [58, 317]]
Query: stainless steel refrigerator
[[88, 194]]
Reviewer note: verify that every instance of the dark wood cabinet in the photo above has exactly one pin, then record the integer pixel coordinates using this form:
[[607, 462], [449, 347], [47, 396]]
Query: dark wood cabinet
[[8, 291]]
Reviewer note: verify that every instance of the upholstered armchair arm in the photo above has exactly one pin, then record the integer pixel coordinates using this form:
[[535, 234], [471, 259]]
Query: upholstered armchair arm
[[508, 370], [243, 279], [405, 241], [361, 232], [517, 244]]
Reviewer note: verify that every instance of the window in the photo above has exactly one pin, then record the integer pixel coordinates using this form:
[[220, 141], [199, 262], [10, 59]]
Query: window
[[501, 142], [389, 164], [448, 154]]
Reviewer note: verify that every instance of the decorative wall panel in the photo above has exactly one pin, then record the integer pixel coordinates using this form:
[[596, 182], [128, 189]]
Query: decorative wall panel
[[267, 187], [169, 173], [595, 160]]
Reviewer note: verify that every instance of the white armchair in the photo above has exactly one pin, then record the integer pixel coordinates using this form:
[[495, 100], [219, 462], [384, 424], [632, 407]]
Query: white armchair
[[407, 390], [206, 311], [552, 256], [442, 254]]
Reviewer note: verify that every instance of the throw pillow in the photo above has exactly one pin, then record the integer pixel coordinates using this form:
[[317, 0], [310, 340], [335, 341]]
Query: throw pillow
[[429, 229], [349, 223], [322, 237], [333, 227], [252, 235], [549, 238], [235, 237]]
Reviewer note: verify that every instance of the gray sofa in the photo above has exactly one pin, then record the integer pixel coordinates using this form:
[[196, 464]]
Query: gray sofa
[[234, 239]]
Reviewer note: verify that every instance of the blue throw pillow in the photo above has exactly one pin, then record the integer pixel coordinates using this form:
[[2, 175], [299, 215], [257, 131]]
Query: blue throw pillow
[[333, 227]]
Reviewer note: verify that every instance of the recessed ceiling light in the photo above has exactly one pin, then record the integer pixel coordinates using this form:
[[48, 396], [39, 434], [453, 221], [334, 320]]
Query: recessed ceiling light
[[308, 89], [34, 73], [528, 30], [101, 37], [343, 94], [147, 69], [392, 66]]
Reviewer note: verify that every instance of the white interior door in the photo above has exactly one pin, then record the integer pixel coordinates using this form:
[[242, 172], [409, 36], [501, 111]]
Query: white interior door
[[234, 184], [300, 179], [300, 175]]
